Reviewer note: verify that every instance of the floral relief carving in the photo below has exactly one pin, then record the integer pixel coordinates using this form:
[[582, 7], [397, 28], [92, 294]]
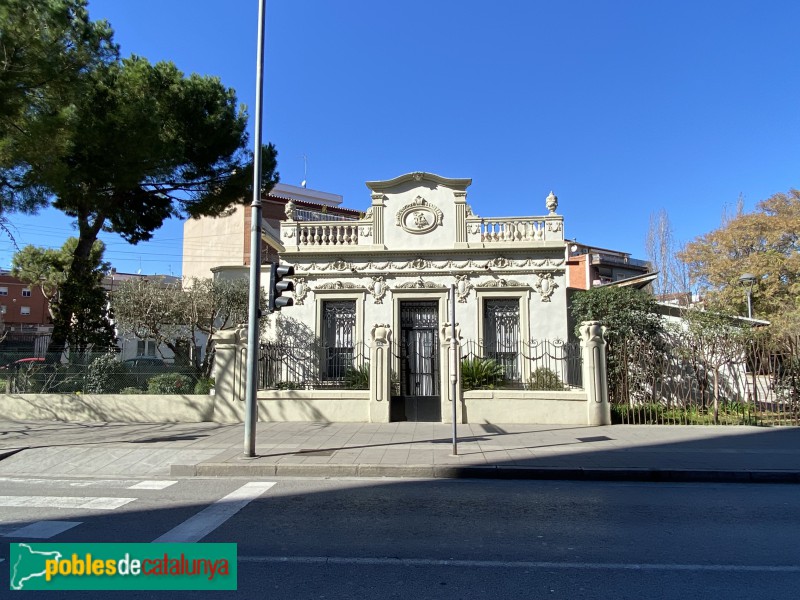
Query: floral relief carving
[[419, 217], [497, 283], [419, 284], [419, 263], [341, 265], [463, 286], [378, 288], [500, 262], [339, 285], [546, 285], [300, 290]]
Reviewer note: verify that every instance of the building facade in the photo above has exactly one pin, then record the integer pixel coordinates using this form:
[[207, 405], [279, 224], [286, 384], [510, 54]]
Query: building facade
[[386, 278]]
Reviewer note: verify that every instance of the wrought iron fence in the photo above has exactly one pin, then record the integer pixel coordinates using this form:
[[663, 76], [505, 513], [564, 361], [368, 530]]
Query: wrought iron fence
[[671, 380], [312, 366], [93, 373], [551, 365]]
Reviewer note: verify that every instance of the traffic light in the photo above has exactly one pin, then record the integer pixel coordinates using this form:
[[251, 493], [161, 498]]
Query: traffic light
[[278, 287]]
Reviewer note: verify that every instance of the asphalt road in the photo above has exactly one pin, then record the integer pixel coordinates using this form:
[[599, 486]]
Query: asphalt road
[[305, 539]]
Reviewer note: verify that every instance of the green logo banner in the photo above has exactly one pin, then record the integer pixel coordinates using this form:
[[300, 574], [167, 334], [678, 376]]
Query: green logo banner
[[122, 566]]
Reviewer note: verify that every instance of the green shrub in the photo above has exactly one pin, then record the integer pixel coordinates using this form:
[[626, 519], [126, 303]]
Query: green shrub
[[170, 383], [545, 379], [289, 385], [204, 386], [357, 378], [104, 374], [480, 373]]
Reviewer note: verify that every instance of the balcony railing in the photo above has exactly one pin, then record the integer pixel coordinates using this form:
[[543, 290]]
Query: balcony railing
[[515, 229], [325, 233]]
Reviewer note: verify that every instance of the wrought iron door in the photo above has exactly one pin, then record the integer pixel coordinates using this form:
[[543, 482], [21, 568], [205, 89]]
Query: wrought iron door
[[419, 360], [501, 335]]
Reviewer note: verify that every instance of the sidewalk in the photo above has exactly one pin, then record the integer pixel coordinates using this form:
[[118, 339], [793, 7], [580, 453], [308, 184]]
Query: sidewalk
[[617, 452]]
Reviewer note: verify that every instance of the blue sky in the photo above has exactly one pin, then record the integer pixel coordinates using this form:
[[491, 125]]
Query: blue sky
[[621, 107]]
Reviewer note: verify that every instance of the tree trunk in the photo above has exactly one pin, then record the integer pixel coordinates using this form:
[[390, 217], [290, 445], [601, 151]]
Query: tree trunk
[[80, 274]]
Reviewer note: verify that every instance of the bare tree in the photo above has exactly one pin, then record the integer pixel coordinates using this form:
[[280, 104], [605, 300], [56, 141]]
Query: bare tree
[[663, 251]]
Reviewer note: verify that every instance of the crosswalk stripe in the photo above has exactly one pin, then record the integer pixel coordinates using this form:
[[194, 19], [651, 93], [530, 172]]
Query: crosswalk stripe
[[42, 530], [90, 503], [154, 484], [74, 483], [207, 520]]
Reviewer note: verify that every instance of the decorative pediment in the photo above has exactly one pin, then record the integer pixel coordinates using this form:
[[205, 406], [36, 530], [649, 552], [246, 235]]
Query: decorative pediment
[[420, 284], [340, 285], [419, 217], [498, 283]]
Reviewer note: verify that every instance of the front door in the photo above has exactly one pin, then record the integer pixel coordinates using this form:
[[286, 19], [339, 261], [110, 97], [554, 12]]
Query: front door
[[419, 363]]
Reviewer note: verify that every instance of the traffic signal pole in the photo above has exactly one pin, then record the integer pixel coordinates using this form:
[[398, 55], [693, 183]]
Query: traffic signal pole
[[251, 408]]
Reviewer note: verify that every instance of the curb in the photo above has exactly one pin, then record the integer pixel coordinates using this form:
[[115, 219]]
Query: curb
[[10, 452], [484, 472]]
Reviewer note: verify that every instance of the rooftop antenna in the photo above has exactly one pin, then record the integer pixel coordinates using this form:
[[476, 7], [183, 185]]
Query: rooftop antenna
[[305, 171]]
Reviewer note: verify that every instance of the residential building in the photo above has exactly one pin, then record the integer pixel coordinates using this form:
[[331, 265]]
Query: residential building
[[222, 244], [589, 266], [25, 317]]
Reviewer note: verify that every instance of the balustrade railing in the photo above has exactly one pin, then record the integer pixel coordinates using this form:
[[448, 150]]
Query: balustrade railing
[[324, 233], [515, 229]]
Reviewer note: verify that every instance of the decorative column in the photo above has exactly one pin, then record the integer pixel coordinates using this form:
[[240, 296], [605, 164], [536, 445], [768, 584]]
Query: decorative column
[[380, 373], [230, 374], [595, 377]]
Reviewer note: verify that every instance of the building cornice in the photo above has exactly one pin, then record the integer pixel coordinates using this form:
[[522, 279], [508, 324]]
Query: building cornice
[[419, 176]]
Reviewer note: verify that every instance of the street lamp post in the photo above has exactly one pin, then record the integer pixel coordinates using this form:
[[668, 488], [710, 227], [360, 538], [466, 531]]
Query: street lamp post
[[748, 281], [254, 288]]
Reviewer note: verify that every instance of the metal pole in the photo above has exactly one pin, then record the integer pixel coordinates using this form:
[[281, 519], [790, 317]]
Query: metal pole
[[453, 364], [750, 303], [251, 409]]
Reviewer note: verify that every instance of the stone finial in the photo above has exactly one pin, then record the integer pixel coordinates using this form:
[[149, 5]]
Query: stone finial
[[551, 202], [381, 333], [290, 210]]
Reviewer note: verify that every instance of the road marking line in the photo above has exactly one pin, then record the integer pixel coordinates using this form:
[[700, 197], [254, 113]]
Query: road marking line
[[42, 530], [154, 484], [91, 503], [430, 562], [207, 520], [112, 483]]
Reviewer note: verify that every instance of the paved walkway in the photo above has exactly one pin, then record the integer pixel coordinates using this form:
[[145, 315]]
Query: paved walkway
[[617, 452]]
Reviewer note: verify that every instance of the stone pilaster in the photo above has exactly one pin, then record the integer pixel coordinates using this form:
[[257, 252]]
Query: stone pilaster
[[461, 216], [452, 372], [380, 373], [230, 374], [595, 376], [378, 206]]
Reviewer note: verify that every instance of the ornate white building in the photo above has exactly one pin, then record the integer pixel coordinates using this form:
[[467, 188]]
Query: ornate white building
[[383, 281]]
